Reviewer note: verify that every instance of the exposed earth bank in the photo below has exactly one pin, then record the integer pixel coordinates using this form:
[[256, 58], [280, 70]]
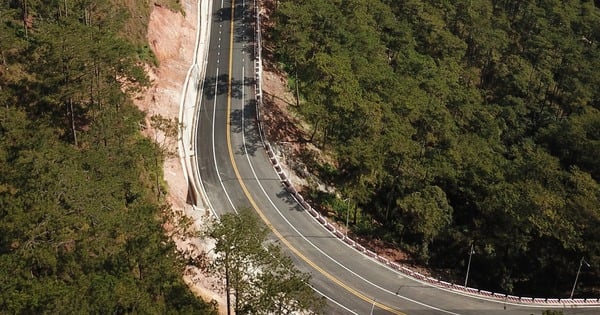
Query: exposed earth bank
[[171, 37]]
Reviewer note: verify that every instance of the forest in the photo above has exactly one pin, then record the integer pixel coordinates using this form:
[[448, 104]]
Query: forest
[[457, 123], [81, 194]]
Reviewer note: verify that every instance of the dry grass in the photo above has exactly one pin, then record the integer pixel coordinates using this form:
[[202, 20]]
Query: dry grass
[[135, 27]]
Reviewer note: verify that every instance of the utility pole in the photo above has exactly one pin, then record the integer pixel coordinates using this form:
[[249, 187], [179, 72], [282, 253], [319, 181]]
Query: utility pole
[[577, 276], [471, 252], [347, 214]]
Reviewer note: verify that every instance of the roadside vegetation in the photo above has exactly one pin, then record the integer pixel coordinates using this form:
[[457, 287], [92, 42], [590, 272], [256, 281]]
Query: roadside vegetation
[[259, 277], [81, 208], [453, 123]]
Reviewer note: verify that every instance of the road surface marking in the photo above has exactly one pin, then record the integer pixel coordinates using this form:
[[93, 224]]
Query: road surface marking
[[255, 206], [213, 141]]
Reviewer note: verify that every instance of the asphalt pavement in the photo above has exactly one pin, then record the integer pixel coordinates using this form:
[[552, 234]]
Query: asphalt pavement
[[236, 173]]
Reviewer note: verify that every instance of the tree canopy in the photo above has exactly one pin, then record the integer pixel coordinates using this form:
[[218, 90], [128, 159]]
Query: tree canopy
[[459, 122], [259, 277], [80, 222]]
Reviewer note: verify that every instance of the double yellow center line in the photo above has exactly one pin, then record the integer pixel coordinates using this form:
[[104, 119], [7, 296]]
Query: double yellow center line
[[257, 209]]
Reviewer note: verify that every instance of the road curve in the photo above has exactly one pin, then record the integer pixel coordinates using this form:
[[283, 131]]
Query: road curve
[[236, 172]]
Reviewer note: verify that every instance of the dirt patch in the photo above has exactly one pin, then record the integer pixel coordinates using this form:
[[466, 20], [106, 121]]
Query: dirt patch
[[289, 134], [282, 129], [172, 37]]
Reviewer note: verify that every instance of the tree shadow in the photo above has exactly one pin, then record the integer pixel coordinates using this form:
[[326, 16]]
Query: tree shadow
[[57, 107], [274, 97], [244, 30], [289, 199], [236, 88], [252, 142], [283, 127], [222, 86], [224, 14], [221, 83]]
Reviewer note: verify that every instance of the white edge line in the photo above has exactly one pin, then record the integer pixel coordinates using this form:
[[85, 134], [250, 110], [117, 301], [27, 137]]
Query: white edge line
[[213, 143], [312, 244]]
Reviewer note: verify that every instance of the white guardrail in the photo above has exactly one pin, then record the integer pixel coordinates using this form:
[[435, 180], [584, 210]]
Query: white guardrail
[[188, 124], [189, 106], [550, 302]]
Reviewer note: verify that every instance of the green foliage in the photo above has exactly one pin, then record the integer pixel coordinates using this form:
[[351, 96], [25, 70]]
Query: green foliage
[[459, 122], [260, 277], [80, 229]]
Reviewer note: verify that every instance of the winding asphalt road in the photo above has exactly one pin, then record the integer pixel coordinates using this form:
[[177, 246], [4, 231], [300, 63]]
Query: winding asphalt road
[[236, 173]]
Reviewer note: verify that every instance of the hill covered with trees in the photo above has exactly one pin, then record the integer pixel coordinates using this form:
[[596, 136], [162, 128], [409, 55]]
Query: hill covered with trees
[[454, 123], [81, 211]]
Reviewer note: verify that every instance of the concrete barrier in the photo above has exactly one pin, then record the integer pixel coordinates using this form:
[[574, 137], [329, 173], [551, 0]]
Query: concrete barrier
[[383, 260], [406, 271], [419, 276], [486, 293], [432, 280], [526, 300], [286, 182], [472, 290], [499, 296], [305, 205]]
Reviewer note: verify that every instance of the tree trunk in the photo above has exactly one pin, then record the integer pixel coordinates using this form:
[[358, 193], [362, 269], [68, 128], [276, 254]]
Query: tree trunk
[[227, 284], [312, 136], [157, 177], [297, 85], [73, 121], [25, 15]]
